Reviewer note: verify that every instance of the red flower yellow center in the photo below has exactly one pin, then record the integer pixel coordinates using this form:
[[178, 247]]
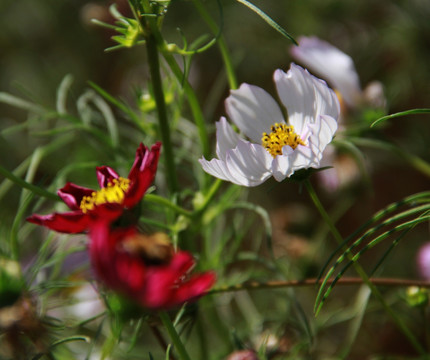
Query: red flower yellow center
[[114, 193], [280, 136]]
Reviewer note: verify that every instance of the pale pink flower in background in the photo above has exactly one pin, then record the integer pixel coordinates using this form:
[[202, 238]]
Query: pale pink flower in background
[[338, 69], [423, 261], [276, 147]]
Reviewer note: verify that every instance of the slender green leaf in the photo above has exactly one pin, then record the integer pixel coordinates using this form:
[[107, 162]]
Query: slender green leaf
[[123, 107], [404, 227], [20, 103], [24, 184], [399, 114], [62, 91], [268, 20], [348, 251], [69, 339], [412, 199]]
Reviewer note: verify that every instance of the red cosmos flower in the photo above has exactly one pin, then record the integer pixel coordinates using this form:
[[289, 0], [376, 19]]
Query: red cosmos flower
[[116, 194], [145, 268]]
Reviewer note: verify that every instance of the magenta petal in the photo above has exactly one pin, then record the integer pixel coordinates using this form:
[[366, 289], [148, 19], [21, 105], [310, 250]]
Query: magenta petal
[[105, 175], [159, 288], [195, 287], [181, 263], [102, 252], [131, 273], [72, 195], [163, 283], [154, 286], [107, 211], [142, 173], [70, 223], [116, 269]]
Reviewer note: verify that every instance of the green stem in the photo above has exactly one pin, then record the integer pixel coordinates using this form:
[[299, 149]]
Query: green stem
[[409, 335], [161, 45], [154, 67], [221, 43], [209, 196], [179, 346]]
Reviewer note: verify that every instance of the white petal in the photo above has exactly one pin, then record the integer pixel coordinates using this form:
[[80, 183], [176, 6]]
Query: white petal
[[253, 110], [226, 138], [285, 165], [331, 64], [218, 168], [248, 165], [305, 97], [249, 161], [322, 132]]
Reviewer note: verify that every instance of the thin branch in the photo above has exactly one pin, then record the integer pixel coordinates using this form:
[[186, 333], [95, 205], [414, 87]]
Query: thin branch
[[345, 281]]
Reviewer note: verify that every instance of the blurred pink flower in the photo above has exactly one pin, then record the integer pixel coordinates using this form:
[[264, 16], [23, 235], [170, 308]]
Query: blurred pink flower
[[423, 261], [243, 355], [146, 270]]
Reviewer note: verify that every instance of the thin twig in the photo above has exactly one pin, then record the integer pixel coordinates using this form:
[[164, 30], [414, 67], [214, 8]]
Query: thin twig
[[345, 281]]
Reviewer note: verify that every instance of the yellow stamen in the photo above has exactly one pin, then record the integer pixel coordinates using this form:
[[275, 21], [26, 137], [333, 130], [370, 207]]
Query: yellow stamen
[[114, 192], [280, 136]]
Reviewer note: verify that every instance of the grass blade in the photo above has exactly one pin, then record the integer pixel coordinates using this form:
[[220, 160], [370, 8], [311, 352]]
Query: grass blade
[[399, 114], [268, 20]]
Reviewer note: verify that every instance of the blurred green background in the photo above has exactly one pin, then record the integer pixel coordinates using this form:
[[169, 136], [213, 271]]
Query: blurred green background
[[389, 41], [41, 41]]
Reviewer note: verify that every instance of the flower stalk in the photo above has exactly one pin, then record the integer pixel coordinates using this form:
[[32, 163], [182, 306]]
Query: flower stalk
[[150, 30], [154, 68]]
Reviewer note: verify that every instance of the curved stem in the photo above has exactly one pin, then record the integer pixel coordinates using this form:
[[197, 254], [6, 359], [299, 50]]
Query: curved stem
[[411, 337], [209, 196], [176, 340]]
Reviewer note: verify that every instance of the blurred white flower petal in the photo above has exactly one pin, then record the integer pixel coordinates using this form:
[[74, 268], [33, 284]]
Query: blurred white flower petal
[[331, 64]]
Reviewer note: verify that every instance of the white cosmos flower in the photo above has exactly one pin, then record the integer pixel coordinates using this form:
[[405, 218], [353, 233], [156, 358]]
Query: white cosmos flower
[[332, 65], [273, 147]]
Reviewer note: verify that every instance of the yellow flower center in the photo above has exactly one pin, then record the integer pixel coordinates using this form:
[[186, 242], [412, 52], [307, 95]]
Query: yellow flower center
[[114, 192], [280, 136]]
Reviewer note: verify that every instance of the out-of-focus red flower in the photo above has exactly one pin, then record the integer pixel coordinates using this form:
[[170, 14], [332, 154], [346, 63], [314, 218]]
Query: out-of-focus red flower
[[116, 193], [145, 267]]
